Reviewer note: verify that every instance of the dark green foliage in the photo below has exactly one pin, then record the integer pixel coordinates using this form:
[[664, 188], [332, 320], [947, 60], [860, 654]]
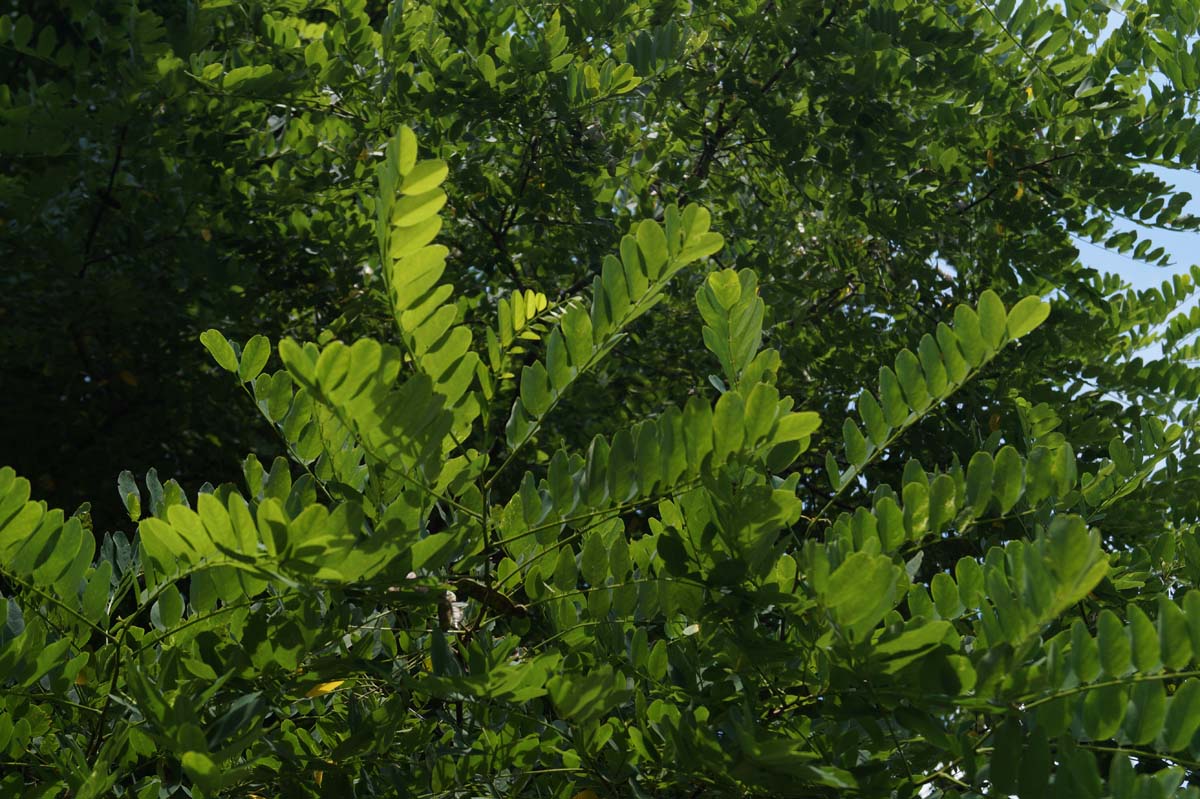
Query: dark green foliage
[[714, 403]]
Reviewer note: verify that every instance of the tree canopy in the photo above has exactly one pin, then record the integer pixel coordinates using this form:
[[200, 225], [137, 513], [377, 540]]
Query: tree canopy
[[599, 399]]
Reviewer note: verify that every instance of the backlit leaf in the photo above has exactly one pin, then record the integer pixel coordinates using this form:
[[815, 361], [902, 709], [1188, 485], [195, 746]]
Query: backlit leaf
[[220, 349]]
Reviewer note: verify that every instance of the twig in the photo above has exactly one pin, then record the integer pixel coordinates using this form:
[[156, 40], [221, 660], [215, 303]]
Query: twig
[[530, 155], [506, 261], [713, 139], [105, 201]]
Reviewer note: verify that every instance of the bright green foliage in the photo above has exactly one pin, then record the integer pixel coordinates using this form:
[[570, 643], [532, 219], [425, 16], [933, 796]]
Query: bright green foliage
[[626, 289], [786, 510], [917, 383], [172, 169], [733, 320], [661, 595]]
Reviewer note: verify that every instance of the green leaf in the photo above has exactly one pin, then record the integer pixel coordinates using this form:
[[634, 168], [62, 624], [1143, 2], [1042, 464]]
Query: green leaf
[[890, 524], [702, 246], [1146, 653], [131, 496], [912, 382], [622, 485], [979, 482], [566, 575], [577, 330], [239, 75], [653, 244], [1183, 716], [1006, 758], [1121, 776], [942, 502], [916, 641], [872, 417], [952, 357], [535, 389], [860, 592], [945, 596], [277, 395], [585, 698], [656, 666], [795, 426], [993, 320], [1007, 478], [1025, 316], [1191, 609], [254, 358], [916, 509], [407, 240], [1173, 634], [46, 659], [22, 31], [1104, 710], [487, 67], [1115, 648], [405, 145], [726, 288], [218, 346], [728, 425], [1034, 775], [168, 610], [424, 177], [836, 478], [970, 337], [761, 408], [856, 444], [433, 550], [1147, 712], [895, 408], [217, 523], [95, 595], [1076, 560], [931, 364], [414, 209], [969, 576], [202, 770], [1085, 654], [51, 551]]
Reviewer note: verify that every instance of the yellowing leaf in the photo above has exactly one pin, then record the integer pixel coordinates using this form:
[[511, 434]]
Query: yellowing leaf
[[586, 793], [1028, 92], [322, 688]]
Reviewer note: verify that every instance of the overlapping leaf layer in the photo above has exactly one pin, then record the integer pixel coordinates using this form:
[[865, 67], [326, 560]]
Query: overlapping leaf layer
[[429, 598]]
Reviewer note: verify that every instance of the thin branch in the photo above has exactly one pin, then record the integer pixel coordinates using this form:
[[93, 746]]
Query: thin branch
[[498, 241], [528, 157], [723, 124], [105, 201], [1124, 681]]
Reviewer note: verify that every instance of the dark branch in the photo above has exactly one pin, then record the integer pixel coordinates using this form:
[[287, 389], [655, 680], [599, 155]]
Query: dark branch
[[105, 201]]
